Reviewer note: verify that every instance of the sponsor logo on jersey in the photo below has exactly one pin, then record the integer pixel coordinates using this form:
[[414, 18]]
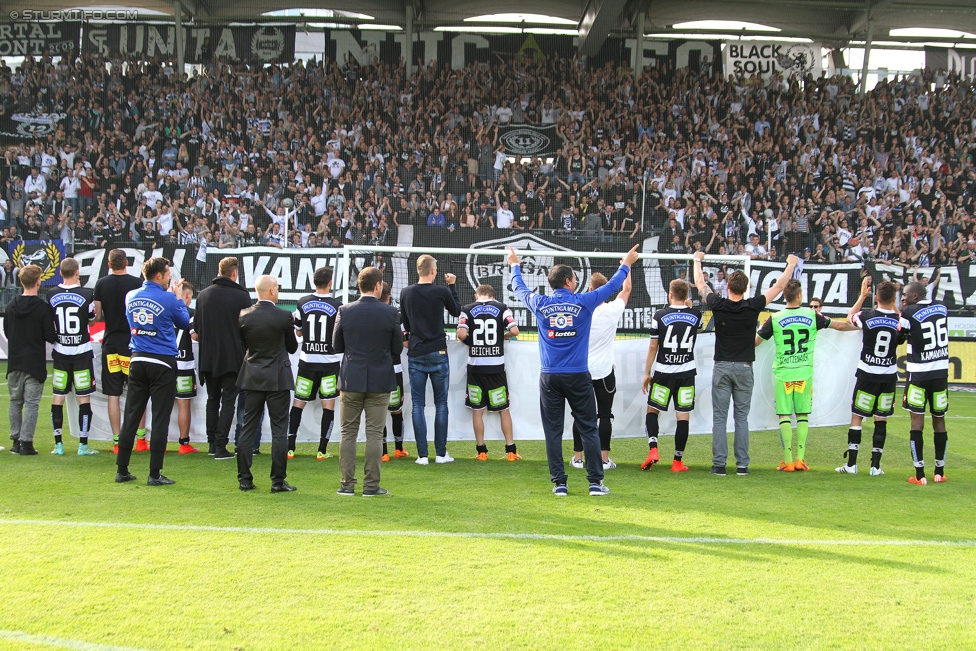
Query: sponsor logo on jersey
[[561, 333], [680, 317], [480, 310], [319, 306], [67, 297], [932, 310], [882, 322], [796, 320], [144, 333], [143, 317], [144, 304], [560, 321]]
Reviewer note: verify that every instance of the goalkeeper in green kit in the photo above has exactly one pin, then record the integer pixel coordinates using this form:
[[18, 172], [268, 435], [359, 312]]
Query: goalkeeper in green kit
[[795, 332]]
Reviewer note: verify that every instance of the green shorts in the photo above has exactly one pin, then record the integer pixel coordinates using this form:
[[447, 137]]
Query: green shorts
[[794, 397]]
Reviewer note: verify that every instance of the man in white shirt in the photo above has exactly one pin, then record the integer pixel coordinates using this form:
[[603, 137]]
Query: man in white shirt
[[70, 185], [603, 330], [35, 181], [504, 217], [754, 249], [152, 195]]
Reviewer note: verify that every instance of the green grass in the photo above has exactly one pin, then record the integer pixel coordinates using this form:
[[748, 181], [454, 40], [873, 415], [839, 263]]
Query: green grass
[[246, 590]]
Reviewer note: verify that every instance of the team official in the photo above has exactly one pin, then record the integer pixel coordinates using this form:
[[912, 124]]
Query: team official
[[74, 365], [154, 315], [925, 325], [110, 293], [186, 374], [318, 364], [671, 357], [877, 373], [268, 334], [484, 326]]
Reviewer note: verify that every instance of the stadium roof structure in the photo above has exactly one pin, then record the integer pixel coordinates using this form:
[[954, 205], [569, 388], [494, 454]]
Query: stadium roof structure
[[835, 23]]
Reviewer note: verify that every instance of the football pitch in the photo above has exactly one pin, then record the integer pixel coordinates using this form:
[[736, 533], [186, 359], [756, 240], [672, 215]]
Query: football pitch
[[481, 555]]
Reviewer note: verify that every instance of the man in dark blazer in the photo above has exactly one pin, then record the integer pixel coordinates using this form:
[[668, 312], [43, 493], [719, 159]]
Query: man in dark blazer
[[268, 336], [221, 354], [368, 332]]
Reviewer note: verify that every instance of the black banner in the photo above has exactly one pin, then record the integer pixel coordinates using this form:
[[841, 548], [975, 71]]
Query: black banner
[[28, 126], [248, 44], [33, 38], [951, 60], [529, 140]]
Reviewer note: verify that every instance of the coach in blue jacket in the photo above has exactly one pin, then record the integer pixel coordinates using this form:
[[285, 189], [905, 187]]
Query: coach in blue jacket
[[564, 337], [154, 316]]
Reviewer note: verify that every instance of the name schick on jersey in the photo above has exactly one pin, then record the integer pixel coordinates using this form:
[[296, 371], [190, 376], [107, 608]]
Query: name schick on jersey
[[71, 319], [142, 313], [677, 331], [561, 317]]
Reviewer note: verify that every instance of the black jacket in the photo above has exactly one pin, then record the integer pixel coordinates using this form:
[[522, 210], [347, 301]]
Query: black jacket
[[216, 324], [268, 334], [28, 324], [368, 333]]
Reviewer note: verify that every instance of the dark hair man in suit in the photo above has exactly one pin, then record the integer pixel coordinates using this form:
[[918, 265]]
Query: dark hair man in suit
[[268, 335], [368, 333]]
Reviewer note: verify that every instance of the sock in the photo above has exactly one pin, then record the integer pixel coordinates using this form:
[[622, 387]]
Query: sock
[[57, 421], [482, 449], [680, 439], [84, 421], [915, 438], [802, 430], [577, 439], [650, 422], [123, 470], [115, 439], [786, 437], [511, 448], [328, 415], [294, 421], [941, 440], [398, 431], [185, 441], [878, 441], [141, 434], [385, 449], [853, 445]]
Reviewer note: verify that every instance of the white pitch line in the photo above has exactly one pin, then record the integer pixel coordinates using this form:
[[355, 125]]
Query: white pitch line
[[692, 540], [60, 642]]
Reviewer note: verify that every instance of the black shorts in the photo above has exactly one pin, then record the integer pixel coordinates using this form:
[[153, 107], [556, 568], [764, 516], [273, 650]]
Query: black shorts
[[77, 374], [186, 384], [396, 396], [666, 388], [115, 369], [321, 380], [934, 392], [874, 398], [486, 390], [605, 389]]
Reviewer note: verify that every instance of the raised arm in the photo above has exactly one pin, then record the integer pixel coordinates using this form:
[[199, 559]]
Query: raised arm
[[777, 289], [700, 284], [865, 292]]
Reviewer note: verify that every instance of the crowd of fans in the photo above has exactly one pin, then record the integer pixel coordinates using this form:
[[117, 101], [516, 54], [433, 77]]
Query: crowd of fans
[[329, 153]]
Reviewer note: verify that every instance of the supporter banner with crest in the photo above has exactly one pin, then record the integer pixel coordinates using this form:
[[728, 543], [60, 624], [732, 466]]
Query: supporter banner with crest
[[951, 60], [249, 44], [47, 255], [529, 140], [29, 126], [35, 38], [764, 58]]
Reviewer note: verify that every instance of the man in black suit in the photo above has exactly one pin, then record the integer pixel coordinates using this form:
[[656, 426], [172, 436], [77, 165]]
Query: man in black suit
[[218, 309], [368, 332], [268, 335]]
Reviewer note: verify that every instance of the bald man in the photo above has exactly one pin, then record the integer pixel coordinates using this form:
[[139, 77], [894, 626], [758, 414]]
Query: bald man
[[268, 334]]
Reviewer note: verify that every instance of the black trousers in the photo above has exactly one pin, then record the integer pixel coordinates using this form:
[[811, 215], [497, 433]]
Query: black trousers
[[221, 398], [278, 403], [605, 389], [147, 379]]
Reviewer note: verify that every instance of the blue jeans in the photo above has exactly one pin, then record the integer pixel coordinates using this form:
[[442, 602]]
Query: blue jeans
[[437, 367], [555, 389]]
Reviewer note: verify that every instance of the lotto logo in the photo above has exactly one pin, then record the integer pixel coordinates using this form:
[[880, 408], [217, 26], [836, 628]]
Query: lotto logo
[[551, 334]]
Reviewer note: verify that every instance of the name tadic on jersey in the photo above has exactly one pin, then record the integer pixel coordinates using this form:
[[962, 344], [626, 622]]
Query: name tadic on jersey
[[926, 327], [74, 309], [676, 329], [315, 316], [184, 346], [486, 322], [880, 336], [560, 319]]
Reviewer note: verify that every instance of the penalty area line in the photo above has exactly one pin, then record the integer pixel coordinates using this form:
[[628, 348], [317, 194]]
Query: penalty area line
[[674, 540], [59, 642]]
